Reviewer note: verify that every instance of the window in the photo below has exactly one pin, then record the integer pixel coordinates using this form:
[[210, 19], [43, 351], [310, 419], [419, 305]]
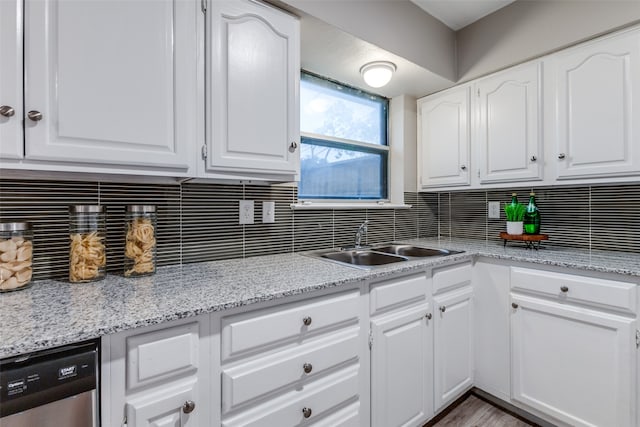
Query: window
[[344, 152]]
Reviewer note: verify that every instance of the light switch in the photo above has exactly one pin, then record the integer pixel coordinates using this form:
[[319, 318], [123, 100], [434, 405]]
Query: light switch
[[246, 212], [494, 210], [268, 212]]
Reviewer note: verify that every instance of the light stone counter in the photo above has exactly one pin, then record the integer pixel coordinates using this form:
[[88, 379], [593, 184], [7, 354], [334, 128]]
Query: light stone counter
[[53, 313]]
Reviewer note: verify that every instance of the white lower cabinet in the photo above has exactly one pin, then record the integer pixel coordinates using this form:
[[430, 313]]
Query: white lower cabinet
[[453, 334], [569, 361], [294, 363], [158, 376], [402, 368]]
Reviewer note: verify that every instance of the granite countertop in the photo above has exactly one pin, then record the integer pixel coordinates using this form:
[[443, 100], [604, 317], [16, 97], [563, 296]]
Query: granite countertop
[[53, 313]]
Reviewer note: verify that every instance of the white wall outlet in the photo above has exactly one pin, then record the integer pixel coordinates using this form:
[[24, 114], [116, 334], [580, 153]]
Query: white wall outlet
[[268, 212], [246, 211], [494, 210]]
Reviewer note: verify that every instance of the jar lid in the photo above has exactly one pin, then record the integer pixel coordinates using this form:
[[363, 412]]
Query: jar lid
[[141, 208], [15, 226], [86, 208]]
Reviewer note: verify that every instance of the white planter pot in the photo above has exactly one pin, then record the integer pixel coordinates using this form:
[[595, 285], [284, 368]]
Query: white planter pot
[[514, 227]]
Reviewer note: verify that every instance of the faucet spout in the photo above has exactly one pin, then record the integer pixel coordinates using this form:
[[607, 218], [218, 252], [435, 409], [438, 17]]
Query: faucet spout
[[362, 231]]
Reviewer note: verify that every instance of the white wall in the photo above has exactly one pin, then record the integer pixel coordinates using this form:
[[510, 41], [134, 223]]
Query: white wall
[[403, 136], [397, 26], [526, 29]]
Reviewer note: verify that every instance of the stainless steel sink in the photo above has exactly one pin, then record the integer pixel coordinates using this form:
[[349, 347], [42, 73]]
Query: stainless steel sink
[[363, 257], [379, 255], [412, 251]]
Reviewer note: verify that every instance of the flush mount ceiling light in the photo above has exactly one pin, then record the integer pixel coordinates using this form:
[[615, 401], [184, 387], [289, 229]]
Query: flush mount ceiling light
[[377, 74]]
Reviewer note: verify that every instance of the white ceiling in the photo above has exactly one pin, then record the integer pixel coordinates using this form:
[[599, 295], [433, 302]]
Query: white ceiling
[[331, 52], [457, 14]]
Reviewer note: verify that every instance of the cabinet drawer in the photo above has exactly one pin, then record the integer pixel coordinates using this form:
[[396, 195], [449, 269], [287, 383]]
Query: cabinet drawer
[[249, 331], [155, 356], [397, 292], [451, 277], [319, 396], [575, 289], [246, 382]]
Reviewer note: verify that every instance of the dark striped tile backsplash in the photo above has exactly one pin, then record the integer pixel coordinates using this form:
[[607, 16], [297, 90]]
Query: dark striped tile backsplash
[[197, 222]]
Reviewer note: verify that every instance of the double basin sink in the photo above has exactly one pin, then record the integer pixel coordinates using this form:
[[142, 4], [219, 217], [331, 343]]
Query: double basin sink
[[380, 255]]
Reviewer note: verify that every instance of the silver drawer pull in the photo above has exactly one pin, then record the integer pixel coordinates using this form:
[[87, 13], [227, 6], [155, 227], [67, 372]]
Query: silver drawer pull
[[561, 156], [564, 289], [306, 320], [514, 305], [306, 412], [307, 367], [443, 308], [188, 406], [7, 111], [36, 116]]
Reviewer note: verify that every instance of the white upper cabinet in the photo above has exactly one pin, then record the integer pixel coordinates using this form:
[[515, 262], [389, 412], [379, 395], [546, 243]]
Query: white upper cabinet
[[443, 139], [509, 137], [11, 135], [596, 123], [111, 83], [253, 78]]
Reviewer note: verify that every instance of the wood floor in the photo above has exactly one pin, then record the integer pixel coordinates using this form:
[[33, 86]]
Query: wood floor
[[475, 412]]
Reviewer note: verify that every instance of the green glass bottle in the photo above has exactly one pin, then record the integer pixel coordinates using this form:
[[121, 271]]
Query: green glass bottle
[[532, 216]]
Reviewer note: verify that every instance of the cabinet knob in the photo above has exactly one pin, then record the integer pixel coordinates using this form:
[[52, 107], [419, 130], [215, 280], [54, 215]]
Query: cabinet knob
[[293, 146], [306, 412], [34, 115], [188, 406], [561, 156], [306, 320], [443, 308], [463, 167], [564, 289], [7, 111], [307, 367], [534, 158], [514, 305], [428, 316]]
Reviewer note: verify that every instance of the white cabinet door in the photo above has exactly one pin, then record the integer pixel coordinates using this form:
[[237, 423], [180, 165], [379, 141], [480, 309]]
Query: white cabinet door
[[574, 364], [253, 77], [171, 407], [597, 96], [509, 131], [453, 345], [443, 139], [112, 82], [11, 135], [402, 369]]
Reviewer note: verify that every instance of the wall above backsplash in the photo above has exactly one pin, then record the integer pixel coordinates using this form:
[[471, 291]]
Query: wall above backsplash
[[586, 217], [199, 222]]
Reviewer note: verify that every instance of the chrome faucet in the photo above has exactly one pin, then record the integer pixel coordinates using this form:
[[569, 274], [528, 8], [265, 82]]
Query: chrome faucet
[[362, 231]]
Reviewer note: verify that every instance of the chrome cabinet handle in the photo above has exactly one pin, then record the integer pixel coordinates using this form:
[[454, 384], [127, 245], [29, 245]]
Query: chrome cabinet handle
[[34, 115], [514, 305], [443, 308], [7, 111], [561, 156], [306, 412], [564, 289], [306, 321], [307, 367], [428, 316], [188, 406], [463, 167], [534, 158], [293, 146]]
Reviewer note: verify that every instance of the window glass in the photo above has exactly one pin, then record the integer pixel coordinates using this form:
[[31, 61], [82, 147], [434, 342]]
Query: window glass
[[344, 152]]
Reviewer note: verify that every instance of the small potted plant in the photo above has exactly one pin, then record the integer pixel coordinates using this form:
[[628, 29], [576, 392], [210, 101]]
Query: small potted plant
[[515, 215]]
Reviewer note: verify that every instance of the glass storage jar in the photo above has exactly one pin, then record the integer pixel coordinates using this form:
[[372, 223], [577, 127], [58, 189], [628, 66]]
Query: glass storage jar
[[140, 241], [87, 251], [16, 255]]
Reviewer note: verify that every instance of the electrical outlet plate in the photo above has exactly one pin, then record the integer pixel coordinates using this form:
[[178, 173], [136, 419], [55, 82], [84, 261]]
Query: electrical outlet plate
[[268, 212], [494, 210], [246, 212]]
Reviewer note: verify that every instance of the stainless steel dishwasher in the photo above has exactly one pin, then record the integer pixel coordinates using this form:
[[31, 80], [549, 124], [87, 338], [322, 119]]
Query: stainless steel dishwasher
[[56, 387]]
